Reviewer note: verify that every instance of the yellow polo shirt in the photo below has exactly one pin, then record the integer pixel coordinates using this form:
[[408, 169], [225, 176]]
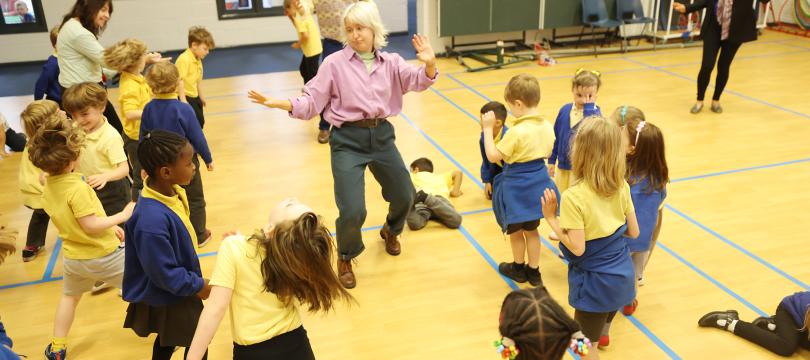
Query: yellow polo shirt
[[529, 138], [191, 71], [305, 23], [66, 198], [256, 315], [177, 203], [134, 94], [433, 184], [28, 180], [103, 151], [582, 208]]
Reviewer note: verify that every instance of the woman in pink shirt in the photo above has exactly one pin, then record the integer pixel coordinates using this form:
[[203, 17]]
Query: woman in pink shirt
[[357, 88]]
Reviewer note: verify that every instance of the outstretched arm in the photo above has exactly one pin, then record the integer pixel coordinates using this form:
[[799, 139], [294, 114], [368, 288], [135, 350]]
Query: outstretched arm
[[211, 316]]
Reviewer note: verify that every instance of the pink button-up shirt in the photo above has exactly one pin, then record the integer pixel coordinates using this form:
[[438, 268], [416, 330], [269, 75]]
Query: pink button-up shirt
[[345, 91]]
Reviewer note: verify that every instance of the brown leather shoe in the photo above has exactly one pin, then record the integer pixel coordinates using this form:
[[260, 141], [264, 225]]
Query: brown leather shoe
[[323, 136], [391, 241], [345, 274]]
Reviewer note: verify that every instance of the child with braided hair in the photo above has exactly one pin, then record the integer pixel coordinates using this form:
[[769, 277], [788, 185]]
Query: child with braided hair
[[163, 282], [537, 327], [90, 238]]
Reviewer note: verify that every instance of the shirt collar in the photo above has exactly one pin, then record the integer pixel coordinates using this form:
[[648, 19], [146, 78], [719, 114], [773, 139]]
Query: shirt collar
[[192, 56], [529, 117], [95, 135], [349, 53], [169, 201], [169, 96], [136, 77]]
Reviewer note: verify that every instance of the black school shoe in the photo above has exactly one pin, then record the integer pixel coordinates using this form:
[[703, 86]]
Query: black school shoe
[[764, 323], [534, 276], [710, 319], [513, 271]]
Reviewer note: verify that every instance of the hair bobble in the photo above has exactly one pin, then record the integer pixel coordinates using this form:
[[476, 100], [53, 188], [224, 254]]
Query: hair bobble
[[507, 348], [148, 135], [580, 344], [640, 127], [581, 70], [623, 113]]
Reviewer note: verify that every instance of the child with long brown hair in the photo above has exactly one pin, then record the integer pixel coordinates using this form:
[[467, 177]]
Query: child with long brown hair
[[262, 278], [648, 175], [596, 213], [90, 238], [782, 333]]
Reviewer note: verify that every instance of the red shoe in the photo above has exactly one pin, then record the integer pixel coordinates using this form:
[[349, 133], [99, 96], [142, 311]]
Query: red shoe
[[630, 309], [604, 341]]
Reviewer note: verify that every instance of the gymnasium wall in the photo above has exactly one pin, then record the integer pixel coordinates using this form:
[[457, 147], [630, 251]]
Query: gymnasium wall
[[163, 25]]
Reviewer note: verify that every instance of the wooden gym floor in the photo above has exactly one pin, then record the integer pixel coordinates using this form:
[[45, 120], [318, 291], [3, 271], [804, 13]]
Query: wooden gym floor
[[733, 234]]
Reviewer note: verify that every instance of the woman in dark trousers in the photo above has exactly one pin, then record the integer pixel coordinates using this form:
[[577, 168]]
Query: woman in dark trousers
[[782, 333], [727, 24]]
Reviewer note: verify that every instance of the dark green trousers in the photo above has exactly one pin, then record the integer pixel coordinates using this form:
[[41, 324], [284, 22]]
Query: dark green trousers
[[353, 149]]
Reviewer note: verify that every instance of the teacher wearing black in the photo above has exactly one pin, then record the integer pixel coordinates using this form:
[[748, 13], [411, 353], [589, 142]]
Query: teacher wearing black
[[727, 24]]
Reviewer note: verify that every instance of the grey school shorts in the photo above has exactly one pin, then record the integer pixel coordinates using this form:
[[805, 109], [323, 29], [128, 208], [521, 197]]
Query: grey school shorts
[[81, 275]]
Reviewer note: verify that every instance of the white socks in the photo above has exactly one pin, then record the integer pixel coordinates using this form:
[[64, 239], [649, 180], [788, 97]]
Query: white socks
[[726, 324]]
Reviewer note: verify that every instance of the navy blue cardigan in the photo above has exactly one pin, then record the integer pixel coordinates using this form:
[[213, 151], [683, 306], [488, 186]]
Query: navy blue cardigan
[[563, 134], [161, 265], [178, 117]]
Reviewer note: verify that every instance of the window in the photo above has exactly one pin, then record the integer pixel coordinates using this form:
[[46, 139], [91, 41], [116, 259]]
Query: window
[[239, 9], [22, 16]]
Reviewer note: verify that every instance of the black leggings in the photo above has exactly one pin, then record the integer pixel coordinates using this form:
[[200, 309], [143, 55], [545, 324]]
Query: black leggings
[[784, 341], [711, 47], [308, 69], [165, 353], [593, 323], [293, 345]]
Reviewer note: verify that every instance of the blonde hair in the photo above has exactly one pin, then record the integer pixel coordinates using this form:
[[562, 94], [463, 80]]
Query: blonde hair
[[124, 55], [8, 238], [37, 113], [598, 156], [366, 14], [162, 78], [586, 78], [200, 35], [523, 87], [56, 144], [84, 95], [628, 116]]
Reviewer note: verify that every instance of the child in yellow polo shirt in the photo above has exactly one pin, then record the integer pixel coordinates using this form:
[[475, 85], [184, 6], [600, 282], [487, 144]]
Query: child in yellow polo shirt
[[189, 64], [262, 280], [518, 189], [90, 239], [31, 182], [129, 58], [103, 161], [433, 192], [309, 41]]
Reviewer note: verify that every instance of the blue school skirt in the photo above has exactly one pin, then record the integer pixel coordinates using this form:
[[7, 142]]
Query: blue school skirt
[[646, 204], [516, 192], [603, 278]]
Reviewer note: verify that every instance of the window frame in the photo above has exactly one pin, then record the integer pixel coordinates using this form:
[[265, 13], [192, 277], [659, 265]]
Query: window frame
[[40, 25], [257, 9]]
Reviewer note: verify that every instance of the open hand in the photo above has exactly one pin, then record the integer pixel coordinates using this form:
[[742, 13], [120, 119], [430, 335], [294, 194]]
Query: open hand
[[424, 52], [257, 97], [549, 201], [210, 166], [681, 8], [456, 193], [97, 181], [155, 57]]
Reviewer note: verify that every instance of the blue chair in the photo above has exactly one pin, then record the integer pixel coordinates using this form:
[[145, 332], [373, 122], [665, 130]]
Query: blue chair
[[594, 15], [631, 12]]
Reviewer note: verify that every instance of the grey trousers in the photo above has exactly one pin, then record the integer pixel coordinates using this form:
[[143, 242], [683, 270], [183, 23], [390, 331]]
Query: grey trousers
[[352, 149], [434, 208]]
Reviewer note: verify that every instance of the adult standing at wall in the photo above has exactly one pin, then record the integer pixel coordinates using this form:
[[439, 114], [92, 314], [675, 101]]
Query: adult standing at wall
[[330, 13], [727, 25], [357, 89], [81, 56]]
